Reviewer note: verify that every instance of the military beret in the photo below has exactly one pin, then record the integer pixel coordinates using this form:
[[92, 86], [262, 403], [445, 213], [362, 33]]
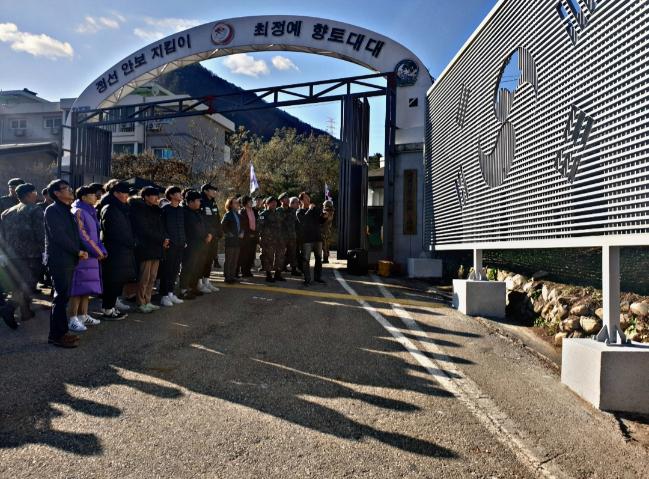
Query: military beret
[[24, 189], [15, 182], [282, 196]]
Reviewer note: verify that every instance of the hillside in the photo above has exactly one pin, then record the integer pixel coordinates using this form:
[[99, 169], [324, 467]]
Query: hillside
[[196, 80]]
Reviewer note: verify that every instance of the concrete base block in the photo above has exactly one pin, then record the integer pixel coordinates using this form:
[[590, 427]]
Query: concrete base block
[[611, 378], [424, 268], [480, 298]]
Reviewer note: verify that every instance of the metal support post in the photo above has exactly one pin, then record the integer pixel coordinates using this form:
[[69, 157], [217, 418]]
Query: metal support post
[[477, 263], [611, 333]]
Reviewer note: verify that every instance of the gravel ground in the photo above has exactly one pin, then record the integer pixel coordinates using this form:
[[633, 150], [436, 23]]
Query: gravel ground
[[259, 383]]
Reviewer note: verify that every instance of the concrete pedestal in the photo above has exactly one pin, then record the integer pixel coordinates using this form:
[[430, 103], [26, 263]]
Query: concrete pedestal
[[611, 378], [424, 268], [480, 298]]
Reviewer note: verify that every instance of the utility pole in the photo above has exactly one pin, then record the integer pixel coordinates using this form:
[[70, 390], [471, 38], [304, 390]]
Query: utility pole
[[331, 126]]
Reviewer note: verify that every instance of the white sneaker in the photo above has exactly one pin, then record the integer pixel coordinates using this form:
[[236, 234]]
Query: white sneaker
[[166, 301], [75, 325], [89, 320], [203, 288], [152, 307], [119, 304], [175, 299], [112, 314], [209, 285]]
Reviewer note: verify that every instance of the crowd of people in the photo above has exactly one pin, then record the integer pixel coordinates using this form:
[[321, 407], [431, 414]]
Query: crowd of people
[[110, 242]]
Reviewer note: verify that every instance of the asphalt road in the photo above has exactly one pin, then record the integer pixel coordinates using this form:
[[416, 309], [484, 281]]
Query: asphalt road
[[278, 381]]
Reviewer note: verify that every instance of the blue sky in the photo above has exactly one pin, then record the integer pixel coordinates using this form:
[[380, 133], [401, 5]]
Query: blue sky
[[57, 48]]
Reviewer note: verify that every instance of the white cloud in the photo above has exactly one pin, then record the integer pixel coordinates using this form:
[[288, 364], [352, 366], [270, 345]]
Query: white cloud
[[148, 35], [283, 63], [157, 28], [95, 24], [245, 64], [171, 24], [38, 45]]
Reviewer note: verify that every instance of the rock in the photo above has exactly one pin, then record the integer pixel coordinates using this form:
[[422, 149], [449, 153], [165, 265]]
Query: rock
[[641, 326], [538, 305], [472, 275], [625, 321], [571, 324], [519, 280], [624, 306], [640, 309], [559, 337], [599, 312], [577, 334], [633, 336], [540, 274], [590, 324], [502, 275], [547, 309], [545, 293], [527, 287], [554, 294], [579, 309], [561, 312]]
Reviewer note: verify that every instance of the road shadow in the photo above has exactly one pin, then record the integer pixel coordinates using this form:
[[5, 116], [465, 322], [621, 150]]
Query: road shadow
[[304, 367]]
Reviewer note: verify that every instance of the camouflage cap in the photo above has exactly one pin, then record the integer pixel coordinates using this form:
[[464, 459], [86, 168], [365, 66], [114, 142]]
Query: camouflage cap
[[24, 189], [270, 198], [282, 196]]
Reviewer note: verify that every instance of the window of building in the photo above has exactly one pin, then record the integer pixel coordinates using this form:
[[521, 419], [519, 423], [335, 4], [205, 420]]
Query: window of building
[[163, 153], [123, 149], [18, 124], [54, 122]]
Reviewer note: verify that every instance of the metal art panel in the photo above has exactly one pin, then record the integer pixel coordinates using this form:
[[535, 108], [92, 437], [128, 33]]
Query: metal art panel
[[538, 131]]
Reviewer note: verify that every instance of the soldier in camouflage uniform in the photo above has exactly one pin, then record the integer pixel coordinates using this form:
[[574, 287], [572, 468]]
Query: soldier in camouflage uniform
[[328, 212], [23, 234], [11, 199], [272, 246], [289, 235]]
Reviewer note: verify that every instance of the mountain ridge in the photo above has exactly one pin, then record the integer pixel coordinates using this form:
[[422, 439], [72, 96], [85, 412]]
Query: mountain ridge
[[197, 81]]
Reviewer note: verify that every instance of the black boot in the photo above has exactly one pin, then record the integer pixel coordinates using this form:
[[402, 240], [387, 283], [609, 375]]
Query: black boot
[[7, 314], [269, 277], [278, 276]]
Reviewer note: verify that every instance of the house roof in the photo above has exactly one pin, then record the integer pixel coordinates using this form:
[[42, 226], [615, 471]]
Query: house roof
[[45, 147]]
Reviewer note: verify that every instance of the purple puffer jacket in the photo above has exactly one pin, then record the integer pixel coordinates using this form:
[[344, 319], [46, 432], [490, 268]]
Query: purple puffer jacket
[[87, 277]]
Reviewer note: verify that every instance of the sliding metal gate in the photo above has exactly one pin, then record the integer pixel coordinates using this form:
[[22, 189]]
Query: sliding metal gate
[[352, 201]]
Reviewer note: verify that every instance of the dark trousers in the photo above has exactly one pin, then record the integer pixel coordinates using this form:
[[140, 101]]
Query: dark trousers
[[211, 252], [112, 289], [247, 254], [231, 262], [62, 282], [306, 259], [170, 268], [24, 273], [291, 255], [192, 265]]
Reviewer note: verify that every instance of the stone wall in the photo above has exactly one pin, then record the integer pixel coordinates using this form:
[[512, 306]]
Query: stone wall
[[571, 266]]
